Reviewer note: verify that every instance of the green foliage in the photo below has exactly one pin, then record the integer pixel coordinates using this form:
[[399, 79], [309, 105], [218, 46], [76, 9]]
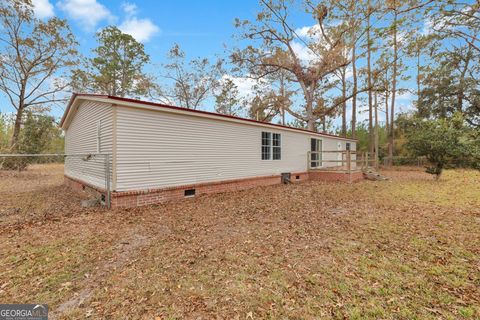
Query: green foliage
[[4, 132], [452, 86], [445, 143], [117, 67], [40, 134], [362, 136]]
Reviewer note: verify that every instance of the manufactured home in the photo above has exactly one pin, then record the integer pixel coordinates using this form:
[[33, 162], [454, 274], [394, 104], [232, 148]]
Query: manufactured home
[[156, 152]]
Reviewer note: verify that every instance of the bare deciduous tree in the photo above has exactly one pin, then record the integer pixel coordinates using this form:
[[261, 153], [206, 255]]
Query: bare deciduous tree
[[276, 52], [34, 53], [193, 82]]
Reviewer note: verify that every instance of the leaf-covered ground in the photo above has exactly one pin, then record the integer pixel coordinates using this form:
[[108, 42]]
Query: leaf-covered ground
[[408, 248]]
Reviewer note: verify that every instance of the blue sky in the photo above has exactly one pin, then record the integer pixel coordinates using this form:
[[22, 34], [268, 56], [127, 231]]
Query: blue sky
[[202, 28]]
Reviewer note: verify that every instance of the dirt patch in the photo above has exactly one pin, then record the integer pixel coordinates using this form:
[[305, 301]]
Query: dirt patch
[[126, 250]]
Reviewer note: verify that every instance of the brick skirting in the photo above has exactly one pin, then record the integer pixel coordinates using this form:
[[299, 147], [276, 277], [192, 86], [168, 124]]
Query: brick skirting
[[79, 185], [126, 199], [333, 176]]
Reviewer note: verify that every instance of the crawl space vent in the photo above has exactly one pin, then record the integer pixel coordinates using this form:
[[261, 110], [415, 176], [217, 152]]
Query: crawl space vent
[[189, 193]]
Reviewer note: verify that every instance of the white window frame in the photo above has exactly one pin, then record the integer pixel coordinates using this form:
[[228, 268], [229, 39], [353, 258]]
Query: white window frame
[[270, 146], [319, 161], [279, 146]]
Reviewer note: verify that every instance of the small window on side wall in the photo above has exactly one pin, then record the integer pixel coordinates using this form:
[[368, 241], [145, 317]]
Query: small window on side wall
[[271, 146], [347, 146]]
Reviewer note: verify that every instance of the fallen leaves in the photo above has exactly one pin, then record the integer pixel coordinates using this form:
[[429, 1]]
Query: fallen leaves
[[408, 248]]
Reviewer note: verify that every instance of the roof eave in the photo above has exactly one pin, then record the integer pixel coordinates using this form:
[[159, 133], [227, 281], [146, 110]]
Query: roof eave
[[90, 96]]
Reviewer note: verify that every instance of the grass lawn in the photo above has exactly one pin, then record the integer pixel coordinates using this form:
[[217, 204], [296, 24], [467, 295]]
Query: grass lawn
[[408, 248]]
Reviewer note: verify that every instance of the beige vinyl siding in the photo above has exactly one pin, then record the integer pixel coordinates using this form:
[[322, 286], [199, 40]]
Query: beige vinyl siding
[[90, 119], [158, 149]]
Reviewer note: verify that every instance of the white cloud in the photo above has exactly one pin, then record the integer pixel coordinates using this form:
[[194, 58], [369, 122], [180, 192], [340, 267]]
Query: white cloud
[[141, 29], [130, 9], [405, 108], [303, 52], [314, 32], [427, 27], [349, 73], [245, 86], [43, 9], [309, 35], [406, 96], [88, 12], [309, 31]]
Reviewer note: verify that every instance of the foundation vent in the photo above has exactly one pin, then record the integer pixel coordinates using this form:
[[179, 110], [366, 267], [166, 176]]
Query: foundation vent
[[189, 193]]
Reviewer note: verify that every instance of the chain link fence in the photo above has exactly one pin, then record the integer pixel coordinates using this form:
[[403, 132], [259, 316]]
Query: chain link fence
[[25, 171], [405, 161]]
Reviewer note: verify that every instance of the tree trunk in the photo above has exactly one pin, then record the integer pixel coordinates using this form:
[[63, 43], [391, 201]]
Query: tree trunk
[[18, 118], [391, 140], [376, 138], [282, 94], [461, 83], [387, 120], [16, 129], [309, 111], [418, 79], [344, 103], [371, 139], [354, 70]]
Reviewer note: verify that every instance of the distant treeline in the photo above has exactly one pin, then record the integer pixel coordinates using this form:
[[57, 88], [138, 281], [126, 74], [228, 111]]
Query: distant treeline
[[40, 134]]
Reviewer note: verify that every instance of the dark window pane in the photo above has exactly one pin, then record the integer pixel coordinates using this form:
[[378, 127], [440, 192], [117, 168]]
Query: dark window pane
[[316, 156], [277, 153], [276, 149], [266, 145], [276, 140]]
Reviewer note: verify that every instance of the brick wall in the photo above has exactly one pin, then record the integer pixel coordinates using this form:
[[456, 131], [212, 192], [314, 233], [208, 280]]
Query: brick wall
[[83, 186], [145, 197]]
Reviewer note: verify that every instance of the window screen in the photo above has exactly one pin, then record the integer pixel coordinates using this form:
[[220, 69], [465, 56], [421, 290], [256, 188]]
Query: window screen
[[316, 155], [266, 145], [277, 146], [271, 146]]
